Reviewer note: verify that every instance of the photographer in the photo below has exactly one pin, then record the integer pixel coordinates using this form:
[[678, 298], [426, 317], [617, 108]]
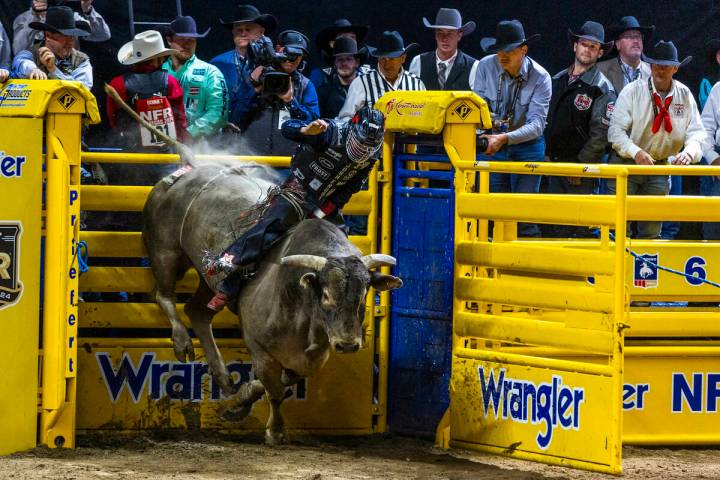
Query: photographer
[[282, 93], [246, 25], [25, 37]]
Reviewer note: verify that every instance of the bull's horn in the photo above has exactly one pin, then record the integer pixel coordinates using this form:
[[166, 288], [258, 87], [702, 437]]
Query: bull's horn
[[310, 261], [378, 260]]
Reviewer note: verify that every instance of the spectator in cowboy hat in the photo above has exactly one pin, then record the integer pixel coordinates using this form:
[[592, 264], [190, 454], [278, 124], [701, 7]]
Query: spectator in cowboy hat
[[25, 36], [144, 56], [324, 41], [247, 25], [656, 122], [206, 96], [390, 75], [579, 115], [517, 90], [346, 67], [57, 57], [629, 37], [446, 68]]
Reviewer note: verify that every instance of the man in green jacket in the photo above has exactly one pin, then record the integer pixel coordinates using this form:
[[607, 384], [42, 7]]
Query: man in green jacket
[[205, 92]]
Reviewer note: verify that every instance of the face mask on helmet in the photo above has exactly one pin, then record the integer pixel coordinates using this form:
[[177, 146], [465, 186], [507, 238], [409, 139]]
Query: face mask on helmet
[[365, 134]]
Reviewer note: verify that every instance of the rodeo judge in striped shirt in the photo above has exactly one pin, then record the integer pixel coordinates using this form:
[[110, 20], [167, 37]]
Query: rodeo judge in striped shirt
[[389, 76]]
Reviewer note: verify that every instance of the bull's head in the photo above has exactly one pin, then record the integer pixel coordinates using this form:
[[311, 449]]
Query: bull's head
[[337, 287]]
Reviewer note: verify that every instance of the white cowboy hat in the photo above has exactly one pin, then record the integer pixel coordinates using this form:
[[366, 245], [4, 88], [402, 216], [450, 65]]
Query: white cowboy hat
[[145, 46]]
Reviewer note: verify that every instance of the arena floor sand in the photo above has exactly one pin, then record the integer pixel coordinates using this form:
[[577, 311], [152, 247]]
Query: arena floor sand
[[205, 457]]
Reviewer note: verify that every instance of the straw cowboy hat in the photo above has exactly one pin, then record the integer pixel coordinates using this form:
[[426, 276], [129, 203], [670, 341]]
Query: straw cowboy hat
[[144, 46]]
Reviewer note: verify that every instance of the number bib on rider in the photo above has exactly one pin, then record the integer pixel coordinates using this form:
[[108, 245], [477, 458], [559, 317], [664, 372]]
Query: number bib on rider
[[157, 112]]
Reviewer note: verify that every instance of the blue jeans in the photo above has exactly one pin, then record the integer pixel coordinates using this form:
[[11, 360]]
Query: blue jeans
[[670, 230], [532, 151]]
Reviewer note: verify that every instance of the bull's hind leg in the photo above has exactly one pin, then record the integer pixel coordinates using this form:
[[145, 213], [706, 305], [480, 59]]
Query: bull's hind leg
[[201, 318], [166, 268]]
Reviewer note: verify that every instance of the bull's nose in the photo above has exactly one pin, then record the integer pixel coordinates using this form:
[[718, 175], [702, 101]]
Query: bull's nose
[[347, 347]]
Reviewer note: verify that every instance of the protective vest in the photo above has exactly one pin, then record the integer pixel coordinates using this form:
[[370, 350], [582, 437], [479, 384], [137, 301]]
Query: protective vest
[[147, 94], [458, 78], [322, 173]]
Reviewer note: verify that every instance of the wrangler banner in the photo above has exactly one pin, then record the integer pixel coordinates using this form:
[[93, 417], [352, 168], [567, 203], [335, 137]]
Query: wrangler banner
[[20, 227]]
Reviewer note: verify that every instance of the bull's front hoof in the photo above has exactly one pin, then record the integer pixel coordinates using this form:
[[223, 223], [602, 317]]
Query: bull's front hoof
[[182, 345], [275, 438], [227, 387], [236, 414]]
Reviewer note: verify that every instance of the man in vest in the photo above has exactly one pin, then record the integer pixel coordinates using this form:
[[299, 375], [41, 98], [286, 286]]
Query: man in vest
[[246, 25], [56, 58], [390, 75], [579, 116], [206, 96], [629, 38], [330, 165], [446, 68], [151, 91], [262, 134], [346, 67]]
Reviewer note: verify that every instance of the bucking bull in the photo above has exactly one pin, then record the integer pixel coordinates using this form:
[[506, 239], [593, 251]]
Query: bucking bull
[[307, 297]]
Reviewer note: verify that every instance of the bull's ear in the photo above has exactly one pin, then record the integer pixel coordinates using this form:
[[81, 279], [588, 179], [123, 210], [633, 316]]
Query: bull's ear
[[308, 280], [380, 281]]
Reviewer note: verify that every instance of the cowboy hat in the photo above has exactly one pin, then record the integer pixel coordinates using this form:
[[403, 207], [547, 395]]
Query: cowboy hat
[[390, 45], [186, 27], [665, 54], [450, 19], [629, 23], [592, 31], [249, 13], [60, 20], [327, 34], [346, 46], [144, 46], [509, 35]]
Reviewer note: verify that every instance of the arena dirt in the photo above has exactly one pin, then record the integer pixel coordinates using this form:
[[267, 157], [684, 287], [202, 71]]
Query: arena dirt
[[308, 458]]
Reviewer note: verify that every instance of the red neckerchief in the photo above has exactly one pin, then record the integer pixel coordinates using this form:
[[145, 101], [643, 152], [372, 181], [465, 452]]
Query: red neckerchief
[[662, 115]]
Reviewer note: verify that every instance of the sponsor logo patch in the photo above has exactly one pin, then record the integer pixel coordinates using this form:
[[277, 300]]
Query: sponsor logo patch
[[66, 100], [678, 109], [645, 273], [582, 101], [11, 287]]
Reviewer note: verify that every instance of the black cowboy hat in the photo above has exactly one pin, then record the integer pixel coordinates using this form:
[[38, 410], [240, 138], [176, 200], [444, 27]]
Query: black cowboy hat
[[186, 27], [665, 53], [327, 34], [711, 48], [61, 20], [592, 31], [346, 46], [249, 13], [390, 45], [629, 23], [450, 19], [294, 42], [509, 35]]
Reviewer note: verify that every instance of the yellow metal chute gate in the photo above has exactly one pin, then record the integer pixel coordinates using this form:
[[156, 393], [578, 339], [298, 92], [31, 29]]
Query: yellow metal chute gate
[[32, 112], [511, 392]]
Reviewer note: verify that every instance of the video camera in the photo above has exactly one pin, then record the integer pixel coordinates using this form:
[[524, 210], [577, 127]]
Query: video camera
[[261, 52]]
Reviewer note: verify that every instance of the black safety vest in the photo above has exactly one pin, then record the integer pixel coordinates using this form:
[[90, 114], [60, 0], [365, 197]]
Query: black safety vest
[[457, 79]]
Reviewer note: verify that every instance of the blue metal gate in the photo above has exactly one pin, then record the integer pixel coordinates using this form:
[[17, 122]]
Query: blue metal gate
[[421, 313]]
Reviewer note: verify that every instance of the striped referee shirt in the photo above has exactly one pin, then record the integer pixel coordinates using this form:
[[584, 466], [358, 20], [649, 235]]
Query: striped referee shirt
[[368, 88]]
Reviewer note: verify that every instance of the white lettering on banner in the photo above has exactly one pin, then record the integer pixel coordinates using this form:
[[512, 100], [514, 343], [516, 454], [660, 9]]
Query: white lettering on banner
[[176, 380], [523, 401]]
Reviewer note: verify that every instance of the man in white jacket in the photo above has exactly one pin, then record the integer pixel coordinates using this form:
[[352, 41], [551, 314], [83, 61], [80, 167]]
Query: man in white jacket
[[656, 121]]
